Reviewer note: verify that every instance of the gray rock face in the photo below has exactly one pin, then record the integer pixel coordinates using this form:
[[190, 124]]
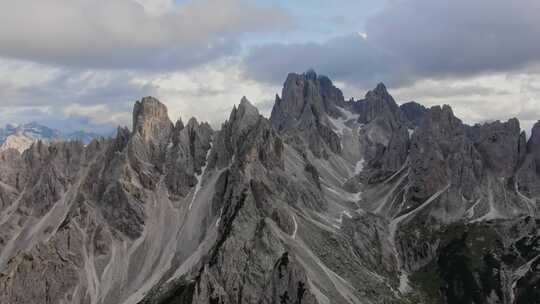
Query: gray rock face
[[377, 103], [441, 154], [327, 202], [187, 156], [413, 112], [533, 146], [306, 101], [500, 144], [384, 137], [304, 98], [150, 120]]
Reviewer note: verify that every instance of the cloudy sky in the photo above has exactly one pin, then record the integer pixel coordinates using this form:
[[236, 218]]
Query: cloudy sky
[[80, 64]]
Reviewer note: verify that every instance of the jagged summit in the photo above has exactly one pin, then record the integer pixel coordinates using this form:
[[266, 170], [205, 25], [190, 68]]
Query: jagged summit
[[380, 89], [413, 112], [245, 115], [247, 107], [533, 145], [377, 102], [379, 94], [150, 119], [179, 125], [310, 74], [305, 97]]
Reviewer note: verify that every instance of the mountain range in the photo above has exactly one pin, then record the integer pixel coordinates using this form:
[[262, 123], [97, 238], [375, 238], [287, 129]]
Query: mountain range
[[21, 137], [327, 201]]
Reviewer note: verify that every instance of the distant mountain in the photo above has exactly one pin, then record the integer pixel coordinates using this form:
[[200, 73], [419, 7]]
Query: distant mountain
[[21, 137]]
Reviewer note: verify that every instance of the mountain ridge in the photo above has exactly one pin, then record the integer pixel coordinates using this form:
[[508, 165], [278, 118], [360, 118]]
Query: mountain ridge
[[21, 137], [326, 201]]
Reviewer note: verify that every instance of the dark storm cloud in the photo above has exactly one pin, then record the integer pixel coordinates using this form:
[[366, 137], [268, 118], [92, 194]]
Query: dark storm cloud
[[346, 58], [460, 37], [414, 39]]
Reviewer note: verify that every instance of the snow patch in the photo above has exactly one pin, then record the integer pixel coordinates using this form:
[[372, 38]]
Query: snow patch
[[359, 166], [470, 212], [340, 124], [295, 227], [404, 286], [219, 217], [341, 214]]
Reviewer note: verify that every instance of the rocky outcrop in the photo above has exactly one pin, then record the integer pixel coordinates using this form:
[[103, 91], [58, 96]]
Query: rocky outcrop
[[378, 103], [187, 156], [533, 146], [528, 175], [501, 144], [442, 154], [302, 110], [304, 98], [413, 113], [151, 121], [247, 137], [384, 138]]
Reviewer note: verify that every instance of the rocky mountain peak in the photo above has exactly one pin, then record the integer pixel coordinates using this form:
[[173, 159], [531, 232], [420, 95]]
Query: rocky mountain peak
[[179, 125], [533, 146], [378, 102], [380, 94], [150, 119], [192, 122], [413, 113], [380, 89], [305, 97], [310, 75], [442, 121], [245, 116], [246, 107], [534, 140], [500, 143], [246, 138]]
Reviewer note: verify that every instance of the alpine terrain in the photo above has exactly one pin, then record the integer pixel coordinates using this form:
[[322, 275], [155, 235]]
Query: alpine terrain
[[21, 137], [327, 201]]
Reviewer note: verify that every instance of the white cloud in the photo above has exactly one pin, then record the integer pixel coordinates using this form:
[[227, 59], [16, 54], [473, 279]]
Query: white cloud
[[410, 40], [208, 92], [126, 34], [36, 92], [99, 114], [499, 96], [157, 7]]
